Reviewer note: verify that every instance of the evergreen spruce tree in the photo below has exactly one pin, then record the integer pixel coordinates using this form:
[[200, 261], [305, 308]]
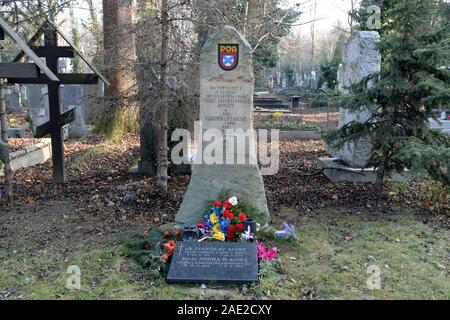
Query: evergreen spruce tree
[[413, 82]]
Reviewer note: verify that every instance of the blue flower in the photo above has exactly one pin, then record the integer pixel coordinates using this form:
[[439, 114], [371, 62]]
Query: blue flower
[[224, 223], [208, 224], [288, 232]]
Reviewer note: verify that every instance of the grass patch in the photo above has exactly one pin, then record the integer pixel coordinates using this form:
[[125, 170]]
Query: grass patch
[[329, 261], [323, 264]]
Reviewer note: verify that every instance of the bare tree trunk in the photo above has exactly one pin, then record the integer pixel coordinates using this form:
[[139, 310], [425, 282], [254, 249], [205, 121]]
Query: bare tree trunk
[[119, 48], [350, 16], [313, 33], [162, 151], [246, 19], [118, 44], [4, 146], [76, 61], [146, 81], [96, 29]]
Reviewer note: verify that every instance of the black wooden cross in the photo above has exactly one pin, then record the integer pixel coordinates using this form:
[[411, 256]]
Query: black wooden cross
[[51, 52]]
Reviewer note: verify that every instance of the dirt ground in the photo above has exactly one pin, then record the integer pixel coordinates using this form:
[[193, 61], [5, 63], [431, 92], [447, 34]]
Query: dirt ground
[[97, 180], [50, 227]]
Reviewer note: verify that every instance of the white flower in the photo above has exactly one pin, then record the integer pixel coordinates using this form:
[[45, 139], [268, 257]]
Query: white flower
[[233, 201]]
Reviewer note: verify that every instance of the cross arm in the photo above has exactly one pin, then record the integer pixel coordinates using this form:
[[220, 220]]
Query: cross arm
[[65, 78], [18, 70]]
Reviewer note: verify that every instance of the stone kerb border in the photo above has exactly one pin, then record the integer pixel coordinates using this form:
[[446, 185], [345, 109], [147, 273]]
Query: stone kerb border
[[30, 156]]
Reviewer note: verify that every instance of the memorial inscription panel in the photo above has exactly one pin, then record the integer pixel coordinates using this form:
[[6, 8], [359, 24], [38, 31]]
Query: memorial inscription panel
[[223, 262], [227, 105]]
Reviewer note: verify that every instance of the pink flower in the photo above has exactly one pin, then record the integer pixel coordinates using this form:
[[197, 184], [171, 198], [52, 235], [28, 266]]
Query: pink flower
[[264, 254]]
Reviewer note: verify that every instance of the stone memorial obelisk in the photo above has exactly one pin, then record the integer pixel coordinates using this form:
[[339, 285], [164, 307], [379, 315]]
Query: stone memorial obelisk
[[361, 58], [226, 105]]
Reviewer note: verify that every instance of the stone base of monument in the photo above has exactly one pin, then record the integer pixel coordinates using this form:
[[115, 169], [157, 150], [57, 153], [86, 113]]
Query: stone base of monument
[[338, 172], [209, 181], [214, 262]]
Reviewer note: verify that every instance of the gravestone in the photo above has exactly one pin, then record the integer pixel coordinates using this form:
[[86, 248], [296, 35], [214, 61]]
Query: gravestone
[[37, 100], [34, 95], [77, 128], [72, 94], [217, 262], [361, 58], [72, 97], [226, 102], [12, 99], [38, 116], [93, 102]]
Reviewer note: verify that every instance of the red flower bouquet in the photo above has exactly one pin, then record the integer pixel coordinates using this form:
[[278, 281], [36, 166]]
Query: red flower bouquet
[[223, 221]]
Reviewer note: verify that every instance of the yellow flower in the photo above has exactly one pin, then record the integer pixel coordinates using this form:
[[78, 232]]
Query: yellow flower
[[216, 228], [214, 219], [219, 236]]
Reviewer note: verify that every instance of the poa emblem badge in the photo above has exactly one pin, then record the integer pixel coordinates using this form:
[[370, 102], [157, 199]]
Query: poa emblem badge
[[228, 56]]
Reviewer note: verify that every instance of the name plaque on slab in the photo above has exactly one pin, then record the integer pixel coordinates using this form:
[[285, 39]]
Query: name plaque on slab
[[214, 262]]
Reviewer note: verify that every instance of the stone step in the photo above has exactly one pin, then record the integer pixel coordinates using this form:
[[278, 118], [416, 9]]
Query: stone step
[[273, 106], [267, 102], [265, 98]]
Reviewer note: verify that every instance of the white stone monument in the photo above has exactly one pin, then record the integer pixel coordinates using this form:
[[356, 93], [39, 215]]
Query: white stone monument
[[361, 58], [226, 104]]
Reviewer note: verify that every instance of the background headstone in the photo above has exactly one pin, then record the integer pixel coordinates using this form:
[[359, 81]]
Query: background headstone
[[72, 97], [12, 99], [76, 128], [93, 102], [236, 87], [37, 101], [361, 58]]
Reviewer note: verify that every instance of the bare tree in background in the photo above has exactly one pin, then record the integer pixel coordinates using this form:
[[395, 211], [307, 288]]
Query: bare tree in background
[[26, 13], [96, 27], [162, 126], [120, 113], [166, 67], [313, 16]]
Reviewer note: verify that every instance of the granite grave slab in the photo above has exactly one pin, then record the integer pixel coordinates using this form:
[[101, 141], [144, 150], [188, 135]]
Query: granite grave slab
[[214, 262]]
